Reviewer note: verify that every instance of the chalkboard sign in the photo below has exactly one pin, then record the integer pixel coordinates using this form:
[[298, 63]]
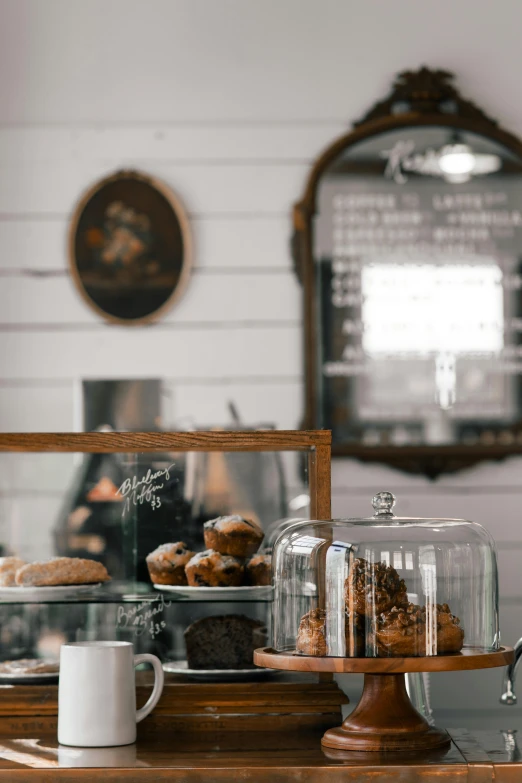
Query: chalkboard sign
[[409, 244]]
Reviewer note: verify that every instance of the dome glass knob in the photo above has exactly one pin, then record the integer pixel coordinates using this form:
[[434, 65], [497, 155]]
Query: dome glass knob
[[383, 503]]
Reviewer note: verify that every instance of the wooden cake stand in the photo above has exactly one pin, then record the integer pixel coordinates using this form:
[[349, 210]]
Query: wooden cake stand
[[385, 719]]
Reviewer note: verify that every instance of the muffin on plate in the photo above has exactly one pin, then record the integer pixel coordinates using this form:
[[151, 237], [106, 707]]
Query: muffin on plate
[[258, 569], [233, 535], [212, 569], [167, 564]]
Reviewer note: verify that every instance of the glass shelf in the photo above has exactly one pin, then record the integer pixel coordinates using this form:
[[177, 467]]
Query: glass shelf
[[124, 592]]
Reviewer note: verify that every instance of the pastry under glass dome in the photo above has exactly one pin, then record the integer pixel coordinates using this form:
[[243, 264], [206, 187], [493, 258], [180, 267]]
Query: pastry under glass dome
[[385, 586]]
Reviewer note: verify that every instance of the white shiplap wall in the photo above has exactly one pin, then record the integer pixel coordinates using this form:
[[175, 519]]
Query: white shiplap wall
[[228, 101]]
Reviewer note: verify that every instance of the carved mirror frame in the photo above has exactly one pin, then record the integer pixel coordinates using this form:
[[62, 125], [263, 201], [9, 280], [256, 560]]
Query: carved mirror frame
[[418, 98]]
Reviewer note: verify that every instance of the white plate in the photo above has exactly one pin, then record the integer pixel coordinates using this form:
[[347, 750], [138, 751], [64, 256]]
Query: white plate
[[255, 592], [216, 675], [46, 592]]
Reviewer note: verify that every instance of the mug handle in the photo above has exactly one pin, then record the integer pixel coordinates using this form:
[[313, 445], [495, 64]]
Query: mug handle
[[159, 679]]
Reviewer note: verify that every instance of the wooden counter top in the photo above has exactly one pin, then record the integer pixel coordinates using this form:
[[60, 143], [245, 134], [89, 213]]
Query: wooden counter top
[[254, 757]]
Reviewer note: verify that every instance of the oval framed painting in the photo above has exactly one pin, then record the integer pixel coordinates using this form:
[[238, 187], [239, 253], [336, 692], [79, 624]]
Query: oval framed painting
[[130, 248]]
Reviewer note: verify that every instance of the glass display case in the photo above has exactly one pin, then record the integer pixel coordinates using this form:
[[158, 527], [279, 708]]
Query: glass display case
[[385, 586], [104, 537]]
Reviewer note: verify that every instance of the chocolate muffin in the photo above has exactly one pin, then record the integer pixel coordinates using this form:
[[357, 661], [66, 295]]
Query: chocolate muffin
[[224, 642], [167, 564], [401, 632], [212, 569], [258, 569], [311, 636], [233, 535], [373, 588]]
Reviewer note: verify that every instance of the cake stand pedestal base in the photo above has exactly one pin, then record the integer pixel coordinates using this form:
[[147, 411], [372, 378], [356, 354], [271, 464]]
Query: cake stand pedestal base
[[385, 720]]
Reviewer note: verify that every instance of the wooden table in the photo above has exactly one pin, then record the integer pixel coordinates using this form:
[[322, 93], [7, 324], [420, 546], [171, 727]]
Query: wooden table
[[257, 757]]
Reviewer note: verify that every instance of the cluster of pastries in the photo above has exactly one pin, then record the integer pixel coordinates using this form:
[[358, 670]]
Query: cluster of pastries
[[377, 611], [15, 572], [231, 557]]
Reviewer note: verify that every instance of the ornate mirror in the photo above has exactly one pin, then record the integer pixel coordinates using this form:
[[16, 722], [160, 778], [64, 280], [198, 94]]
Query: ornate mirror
[[408, 244]]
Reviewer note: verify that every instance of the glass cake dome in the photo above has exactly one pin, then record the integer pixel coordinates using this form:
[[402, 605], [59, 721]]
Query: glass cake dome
[[385, 586]]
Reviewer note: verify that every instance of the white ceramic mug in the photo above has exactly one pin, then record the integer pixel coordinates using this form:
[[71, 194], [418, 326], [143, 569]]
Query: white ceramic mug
[[97, 693]]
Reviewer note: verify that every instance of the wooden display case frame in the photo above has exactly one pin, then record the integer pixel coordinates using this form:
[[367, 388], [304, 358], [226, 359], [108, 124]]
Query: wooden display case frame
[[316, 443]]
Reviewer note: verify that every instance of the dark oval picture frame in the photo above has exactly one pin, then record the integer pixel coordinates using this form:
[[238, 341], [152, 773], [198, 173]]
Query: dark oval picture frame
[[130, 248]]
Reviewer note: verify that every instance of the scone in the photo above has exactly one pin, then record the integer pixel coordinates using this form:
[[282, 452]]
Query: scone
[[8, 568], [167, 564], [233, 536], [373, 588], [258, 569], [62, 571], [311, 636], [224, 642], [401, 632], [211, 569], [450, 636]]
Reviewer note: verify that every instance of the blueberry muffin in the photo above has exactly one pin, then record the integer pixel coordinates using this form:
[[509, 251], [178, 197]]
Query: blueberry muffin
[[167, 564], [212, 569], [233, 535], [258, 569]]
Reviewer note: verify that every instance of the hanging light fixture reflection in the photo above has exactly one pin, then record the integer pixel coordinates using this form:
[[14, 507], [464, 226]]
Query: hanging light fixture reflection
[[458, 162]]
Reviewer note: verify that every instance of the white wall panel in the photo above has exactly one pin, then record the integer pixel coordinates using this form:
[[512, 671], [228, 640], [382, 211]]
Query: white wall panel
[[220, 242], [38, 408], [206, 404], [37, 474], [129, 61], [54, 188], [161, 142], [149, 352], [17, 522], [352, 477], [510, 572], [243, 241], [207, 298], [498, 511], [33, 244]]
